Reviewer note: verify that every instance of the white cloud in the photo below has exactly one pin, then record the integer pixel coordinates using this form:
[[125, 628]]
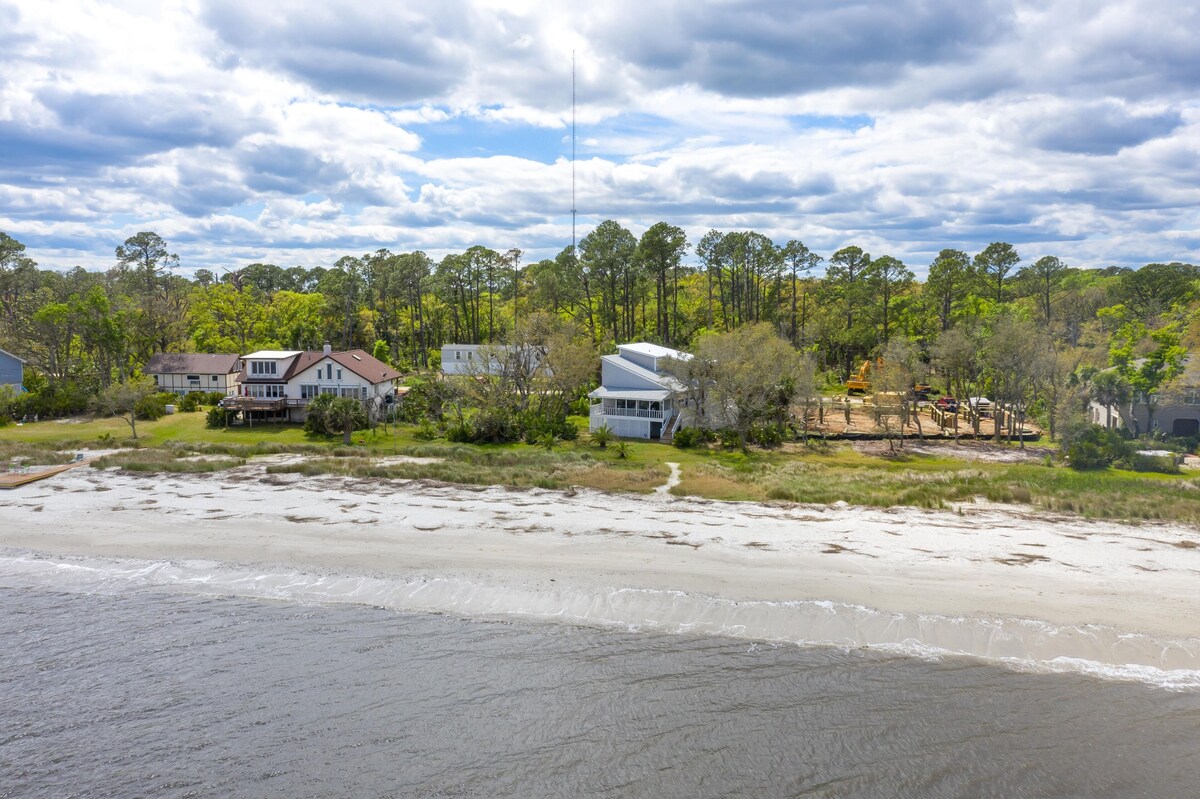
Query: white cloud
[[303, 132]]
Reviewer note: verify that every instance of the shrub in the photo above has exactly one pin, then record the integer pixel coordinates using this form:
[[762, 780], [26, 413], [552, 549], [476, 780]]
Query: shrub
[[191, 401], [1164, 464], [767, 435], [538, 426], [154, 406], [460, 433], [216, 418], [495, 425], [1094, 447], [687, 437], [426, 431]]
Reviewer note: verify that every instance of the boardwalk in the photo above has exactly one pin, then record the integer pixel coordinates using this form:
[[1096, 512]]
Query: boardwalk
[[20, 478]]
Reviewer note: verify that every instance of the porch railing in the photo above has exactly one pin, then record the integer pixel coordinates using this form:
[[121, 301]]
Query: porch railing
[[628, 413]]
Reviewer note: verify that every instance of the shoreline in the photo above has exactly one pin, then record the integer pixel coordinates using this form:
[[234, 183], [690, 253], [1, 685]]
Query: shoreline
[[985, 563]]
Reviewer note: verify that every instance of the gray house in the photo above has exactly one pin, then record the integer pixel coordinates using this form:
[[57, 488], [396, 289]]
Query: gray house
[[11, 371], [637, 397], [1176, 408]]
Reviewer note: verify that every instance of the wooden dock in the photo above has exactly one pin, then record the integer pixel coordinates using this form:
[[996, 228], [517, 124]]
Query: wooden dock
[[15, 479]]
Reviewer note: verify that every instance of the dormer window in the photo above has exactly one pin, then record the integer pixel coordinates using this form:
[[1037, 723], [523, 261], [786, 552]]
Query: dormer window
[[263, 367]]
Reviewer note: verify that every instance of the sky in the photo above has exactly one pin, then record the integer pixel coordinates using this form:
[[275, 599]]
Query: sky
[[296, 133]]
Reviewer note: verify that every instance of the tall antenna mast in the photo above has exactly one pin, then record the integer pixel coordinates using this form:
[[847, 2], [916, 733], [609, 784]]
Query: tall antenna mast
[[573, 154]]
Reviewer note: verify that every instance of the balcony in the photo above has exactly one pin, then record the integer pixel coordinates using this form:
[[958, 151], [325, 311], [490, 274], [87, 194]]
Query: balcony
[[599, 411]]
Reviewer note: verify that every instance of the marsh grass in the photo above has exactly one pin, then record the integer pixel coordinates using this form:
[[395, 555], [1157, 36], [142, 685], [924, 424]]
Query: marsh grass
[[33, 454], [821, 473], [174, 461], [470, 466], [939, 483]]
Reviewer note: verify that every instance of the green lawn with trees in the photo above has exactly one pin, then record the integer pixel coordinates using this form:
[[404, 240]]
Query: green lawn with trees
[[771, 331]]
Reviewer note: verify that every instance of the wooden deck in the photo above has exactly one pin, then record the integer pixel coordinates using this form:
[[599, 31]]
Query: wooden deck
[[15, 479]]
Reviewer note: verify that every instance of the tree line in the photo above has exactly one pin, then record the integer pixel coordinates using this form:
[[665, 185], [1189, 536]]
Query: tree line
[[1018, 325]]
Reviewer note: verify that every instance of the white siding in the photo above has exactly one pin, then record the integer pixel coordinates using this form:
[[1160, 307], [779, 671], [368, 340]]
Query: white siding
[[623, 426]]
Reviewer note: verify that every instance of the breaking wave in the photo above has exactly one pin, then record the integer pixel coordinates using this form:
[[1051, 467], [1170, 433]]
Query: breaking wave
[[1021, 644]]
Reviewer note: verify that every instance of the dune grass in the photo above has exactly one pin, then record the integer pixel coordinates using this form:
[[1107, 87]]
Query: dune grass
[[930, 482], [818, 474], [469, 466], [173, 461]]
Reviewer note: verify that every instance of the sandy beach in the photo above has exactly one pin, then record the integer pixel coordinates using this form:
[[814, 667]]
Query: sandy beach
[[546, 549]]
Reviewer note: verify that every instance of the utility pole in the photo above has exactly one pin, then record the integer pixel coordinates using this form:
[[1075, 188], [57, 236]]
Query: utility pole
[[573, 255]]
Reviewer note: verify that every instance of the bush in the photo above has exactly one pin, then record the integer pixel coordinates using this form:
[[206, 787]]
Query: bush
[[425, 400], [1092, 447], [687, 437], [154, 406], [191, 401], [212, 398], [767, 435], [460, 433], [426, 431], [217, 418], [537, 427], [1163, 464], [495, 425]]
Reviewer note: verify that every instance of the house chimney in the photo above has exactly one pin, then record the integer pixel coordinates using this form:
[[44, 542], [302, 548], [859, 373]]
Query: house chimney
[[328, 349]]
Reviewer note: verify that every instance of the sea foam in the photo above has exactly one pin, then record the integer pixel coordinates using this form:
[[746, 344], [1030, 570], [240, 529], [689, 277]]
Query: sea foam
[[1021, 644]]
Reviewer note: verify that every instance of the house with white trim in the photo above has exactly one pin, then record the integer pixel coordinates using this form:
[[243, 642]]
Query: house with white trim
[[637, 397], [183, 372], [277, 385]]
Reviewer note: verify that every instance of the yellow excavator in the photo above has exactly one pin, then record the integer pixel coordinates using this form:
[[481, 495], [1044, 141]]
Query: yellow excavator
[[860, 383]]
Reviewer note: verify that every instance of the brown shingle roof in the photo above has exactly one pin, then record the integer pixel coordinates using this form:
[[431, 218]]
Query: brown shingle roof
[[182, 363], [358, 361]]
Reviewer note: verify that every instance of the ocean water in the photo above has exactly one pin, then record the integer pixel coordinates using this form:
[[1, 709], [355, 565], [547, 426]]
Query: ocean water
[[123, 679]]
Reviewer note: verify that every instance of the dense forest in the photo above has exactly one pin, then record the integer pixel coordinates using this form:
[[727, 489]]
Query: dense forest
[[1018, 325]]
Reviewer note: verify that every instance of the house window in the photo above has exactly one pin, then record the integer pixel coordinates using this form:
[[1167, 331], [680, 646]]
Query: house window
[[469, 358], [308, 392], [262, 367], [458, 355], [1192, 397], [339, 374], [215, 378], [330, 390], [348, 392], [328, 371], [193, 381], [364, 392]]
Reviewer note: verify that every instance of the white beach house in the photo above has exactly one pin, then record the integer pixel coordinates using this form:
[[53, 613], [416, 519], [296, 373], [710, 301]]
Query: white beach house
[[637, 398], [278, 384]]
